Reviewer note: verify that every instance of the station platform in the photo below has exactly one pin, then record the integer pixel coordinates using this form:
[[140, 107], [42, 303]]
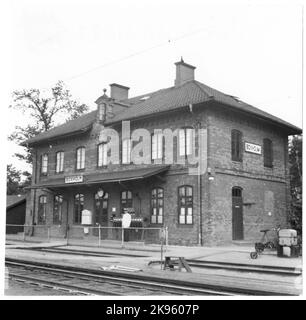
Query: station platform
[[138, 259], [227, 254]]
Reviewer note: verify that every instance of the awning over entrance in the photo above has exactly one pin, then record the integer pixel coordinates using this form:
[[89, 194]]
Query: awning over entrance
[[107, 177]]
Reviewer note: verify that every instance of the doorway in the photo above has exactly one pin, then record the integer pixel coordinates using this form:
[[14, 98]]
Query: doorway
[[101, 212], [237, 214]]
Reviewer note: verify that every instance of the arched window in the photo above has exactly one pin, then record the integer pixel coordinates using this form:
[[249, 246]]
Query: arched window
[[268, 153], [44, 163], [236, 145], [126, 200], [236, 192], [78, 207], [185, 204], [157, 205], [57, 210], [42, 207], [80, 158], [59, 167]]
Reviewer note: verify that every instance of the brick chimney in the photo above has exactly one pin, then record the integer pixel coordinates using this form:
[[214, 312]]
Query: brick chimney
[[119, 92], [184, 72]]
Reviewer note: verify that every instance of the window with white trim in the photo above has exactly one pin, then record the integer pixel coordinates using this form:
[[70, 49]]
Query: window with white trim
[[78, 207], [80, 158], [57, 210], [157, 146], [185, 141], [126, 151], [102, 154], [126, 200], [157, 205], [44, 163], [42, 208], [59, 162], [185, 199]]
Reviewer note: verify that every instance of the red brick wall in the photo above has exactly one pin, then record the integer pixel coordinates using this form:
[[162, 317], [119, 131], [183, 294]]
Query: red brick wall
[[258, 183]]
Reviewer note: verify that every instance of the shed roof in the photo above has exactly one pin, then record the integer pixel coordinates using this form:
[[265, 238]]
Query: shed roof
[[14, 200]]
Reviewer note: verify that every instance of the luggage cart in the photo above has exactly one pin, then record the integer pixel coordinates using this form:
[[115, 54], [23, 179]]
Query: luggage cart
[[264, 243]]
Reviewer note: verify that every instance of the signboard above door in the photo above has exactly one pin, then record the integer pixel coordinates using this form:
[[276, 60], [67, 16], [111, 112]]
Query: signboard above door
[[73, 179], [252, 148]]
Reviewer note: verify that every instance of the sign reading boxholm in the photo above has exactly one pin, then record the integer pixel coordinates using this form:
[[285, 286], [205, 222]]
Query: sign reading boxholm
[[73, 179], [252, 148]]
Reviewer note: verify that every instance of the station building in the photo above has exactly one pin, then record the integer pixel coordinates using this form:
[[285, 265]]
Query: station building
[[242, 150]]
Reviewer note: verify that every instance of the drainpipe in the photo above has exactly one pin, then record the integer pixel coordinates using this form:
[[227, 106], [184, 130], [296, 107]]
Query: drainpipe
[[34, 196], [200, 237]]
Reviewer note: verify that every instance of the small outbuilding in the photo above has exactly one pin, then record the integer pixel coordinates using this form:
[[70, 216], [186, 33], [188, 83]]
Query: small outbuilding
[[15, 213]]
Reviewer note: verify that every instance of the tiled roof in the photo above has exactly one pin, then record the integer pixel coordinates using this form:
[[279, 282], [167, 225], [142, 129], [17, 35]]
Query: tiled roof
[[192, 92], [13, 200]]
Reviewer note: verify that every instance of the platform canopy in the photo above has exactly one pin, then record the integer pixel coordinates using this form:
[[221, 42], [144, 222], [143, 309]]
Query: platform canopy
[[107, 177]]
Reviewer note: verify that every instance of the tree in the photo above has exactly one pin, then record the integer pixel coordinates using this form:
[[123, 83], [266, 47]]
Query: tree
[[14, 183], [13, 178], [295, 171], [44, 110]]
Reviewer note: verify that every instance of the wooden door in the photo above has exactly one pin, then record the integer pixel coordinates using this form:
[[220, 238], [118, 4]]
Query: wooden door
[[237, 214], [101, 212]]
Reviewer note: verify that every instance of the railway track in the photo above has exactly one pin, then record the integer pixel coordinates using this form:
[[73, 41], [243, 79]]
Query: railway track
[[97, 282]]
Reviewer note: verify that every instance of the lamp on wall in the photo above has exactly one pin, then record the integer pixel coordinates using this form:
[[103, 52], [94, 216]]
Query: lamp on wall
[[210, 176]]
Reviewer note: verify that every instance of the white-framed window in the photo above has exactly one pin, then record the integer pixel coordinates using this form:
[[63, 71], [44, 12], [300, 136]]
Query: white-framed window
[[59, 162], [157, 146], [186, 137], [80, 158], [185, 205], [102, 154], [126, 151], [42, 208], [157, 205], [57, 209], [44, 163]]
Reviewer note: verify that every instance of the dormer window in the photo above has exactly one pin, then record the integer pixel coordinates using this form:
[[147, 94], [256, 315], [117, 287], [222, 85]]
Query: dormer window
[[101, 111]]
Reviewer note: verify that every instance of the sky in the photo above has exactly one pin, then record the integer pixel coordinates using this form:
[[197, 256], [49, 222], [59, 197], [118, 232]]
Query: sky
[[251, 50]]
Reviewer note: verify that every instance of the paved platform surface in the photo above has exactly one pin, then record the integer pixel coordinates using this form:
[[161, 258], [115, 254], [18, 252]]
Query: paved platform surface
[[234, 254], [231, 254]]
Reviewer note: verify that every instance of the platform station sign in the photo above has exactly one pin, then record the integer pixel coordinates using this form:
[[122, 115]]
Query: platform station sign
[[252, 148]]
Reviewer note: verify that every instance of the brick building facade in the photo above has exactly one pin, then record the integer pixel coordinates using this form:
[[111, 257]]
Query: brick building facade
[[242, 189]]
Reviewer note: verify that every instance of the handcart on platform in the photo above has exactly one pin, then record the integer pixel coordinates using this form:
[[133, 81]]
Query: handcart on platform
[[266, 242]]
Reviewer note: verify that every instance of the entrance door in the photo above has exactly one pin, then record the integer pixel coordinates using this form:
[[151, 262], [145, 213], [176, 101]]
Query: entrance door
[[237, 214], [101, 212]]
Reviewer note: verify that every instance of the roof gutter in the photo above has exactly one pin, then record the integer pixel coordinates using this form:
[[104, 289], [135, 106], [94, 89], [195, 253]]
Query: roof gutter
[[44, 140]]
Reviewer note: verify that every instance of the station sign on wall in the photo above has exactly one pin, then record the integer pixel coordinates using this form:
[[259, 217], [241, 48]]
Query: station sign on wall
[[252, 148], [73, 179]]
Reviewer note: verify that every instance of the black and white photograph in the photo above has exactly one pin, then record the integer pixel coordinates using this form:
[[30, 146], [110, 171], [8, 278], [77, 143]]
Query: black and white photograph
[[153, 150]]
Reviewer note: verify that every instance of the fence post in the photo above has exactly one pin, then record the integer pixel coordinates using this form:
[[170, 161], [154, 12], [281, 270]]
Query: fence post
[[122, 237], [162, 248], [48, 232], [99, 226], [166, 238], [24, 233], [67, 235]]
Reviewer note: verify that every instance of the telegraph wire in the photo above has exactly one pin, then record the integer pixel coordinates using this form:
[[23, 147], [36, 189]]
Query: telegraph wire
[[133, 54]]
